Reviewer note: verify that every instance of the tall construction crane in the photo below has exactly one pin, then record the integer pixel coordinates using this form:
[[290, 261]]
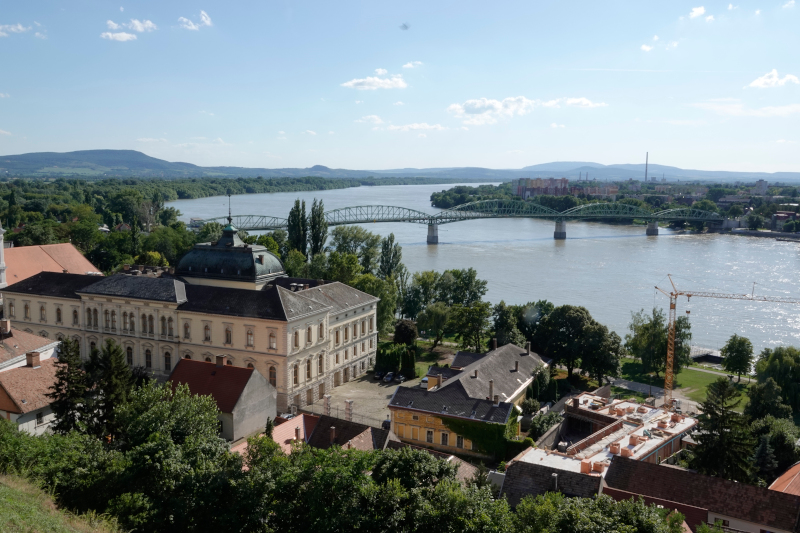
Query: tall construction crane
[[669, 375]]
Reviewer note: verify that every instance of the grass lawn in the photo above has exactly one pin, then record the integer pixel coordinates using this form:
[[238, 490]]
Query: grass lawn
[[425, 357], [625, 393], [24, 508]]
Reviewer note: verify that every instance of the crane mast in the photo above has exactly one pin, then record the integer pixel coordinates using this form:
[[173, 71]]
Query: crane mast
[[669, 373]]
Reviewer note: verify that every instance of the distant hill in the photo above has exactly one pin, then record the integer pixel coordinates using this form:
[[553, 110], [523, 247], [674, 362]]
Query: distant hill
[[130, 163]]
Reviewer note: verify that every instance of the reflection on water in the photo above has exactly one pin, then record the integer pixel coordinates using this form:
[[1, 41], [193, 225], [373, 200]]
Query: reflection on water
[[611, 270]]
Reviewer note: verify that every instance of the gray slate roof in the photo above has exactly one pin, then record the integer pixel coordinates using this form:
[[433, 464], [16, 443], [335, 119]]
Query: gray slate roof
[[139, 288], [463, 359], [451, 401], [529, 479], [338, 296], [53, 284]]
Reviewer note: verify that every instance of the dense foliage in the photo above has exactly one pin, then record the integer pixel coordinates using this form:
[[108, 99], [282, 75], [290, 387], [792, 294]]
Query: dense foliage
[[647, 341]]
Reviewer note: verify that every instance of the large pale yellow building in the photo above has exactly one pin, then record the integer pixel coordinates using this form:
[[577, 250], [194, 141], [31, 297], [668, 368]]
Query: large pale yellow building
[[225, 298]]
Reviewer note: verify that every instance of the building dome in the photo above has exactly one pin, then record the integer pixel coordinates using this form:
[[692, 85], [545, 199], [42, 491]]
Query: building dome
[[229, 260]]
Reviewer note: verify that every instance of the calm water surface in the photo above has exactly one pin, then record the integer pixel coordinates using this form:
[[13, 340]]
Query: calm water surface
[[610, 270]]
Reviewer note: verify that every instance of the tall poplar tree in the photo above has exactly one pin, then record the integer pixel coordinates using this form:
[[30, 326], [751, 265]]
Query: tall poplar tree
[[391, 257], [318, 228], [298, 227], [68, 393], [111, 384]]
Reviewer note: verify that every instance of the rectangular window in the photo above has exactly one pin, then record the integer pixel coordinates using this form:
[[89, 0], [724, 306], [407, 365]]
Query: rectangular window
[[414, 417], [346, 354], [445, 439], [363, 347], [39, 419], [401, 431], [415, 433], [429, 436], [337, 336], [459, 441]]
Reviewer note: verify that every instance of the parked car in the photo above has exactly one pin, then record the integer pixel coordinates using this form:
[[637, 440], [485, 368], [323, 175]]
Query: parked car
[[424, 383], [389, 377], [379, 375], [400, 378]]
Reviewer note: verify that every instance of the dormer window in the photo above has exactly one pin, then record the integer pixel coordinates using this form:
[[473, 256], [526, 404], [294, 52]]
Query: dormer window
[[260, 259]]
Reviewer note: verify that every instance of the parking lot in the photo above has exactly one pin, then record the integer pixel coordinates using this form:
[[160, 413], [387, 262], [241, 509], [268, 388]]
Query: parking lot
[[370, 399]]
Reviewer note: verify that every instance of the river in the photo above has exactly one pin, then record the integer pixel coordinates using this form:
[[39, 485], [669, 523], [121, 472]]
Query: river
[[609, 269]]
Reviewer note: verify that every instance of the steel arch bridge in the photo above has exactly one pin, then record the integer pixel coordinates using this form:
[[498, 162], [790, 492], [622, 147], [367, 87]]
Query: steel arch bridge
[[367, 214]]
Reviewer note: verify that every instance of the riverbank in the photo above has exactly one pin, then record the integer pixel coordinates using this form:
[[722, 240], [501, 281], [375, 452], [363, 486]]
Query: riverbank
[[779, 235]]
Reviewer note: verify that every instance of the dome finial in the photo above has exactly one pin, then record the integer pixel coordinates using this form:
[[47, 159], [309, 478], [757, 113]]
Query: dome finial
[[230, 218]]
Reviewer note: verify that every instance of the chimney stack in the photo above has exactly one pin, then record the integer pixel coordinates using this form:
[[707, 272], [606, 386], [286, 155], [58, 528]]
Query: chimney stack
[[516, 366], [476, 373], [494, 344], [496, 400], [32, 359], [326, 404], [333, 435], [220, 361], [528, 348], [491, 389], [555, 482], [5, 326], [348, 410], [305, 286], [439, 380], [297, 433]]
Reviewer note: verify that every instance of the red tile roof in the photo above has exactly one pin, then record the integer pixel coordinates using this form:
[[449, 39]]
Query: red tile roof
[[23, 262], [21, 342], [27, 387], [224, 383], [284, 433], [789, 482]]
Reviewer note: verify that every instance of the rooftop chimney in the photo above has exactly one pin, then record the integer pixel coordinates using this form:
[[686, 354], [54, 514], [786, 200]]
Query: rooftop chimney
[[555, 482], [305, 286], [494, 344], [297, 433], [333, 435], [220, 360], [32, 359], [496, 400], [516, 366], [5, 326], [476, 372], [491, 389], [439, 379], [527, 348]]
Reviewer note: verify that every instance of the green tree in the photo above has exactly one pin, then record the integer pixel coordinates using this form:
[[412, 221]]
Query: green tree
[[298, 227], [724, 442], [136, 237], [529, 316], [151, 259], [210, 232], [755, 222], [601, 356], [783, 435], [405, 332], [764, 463], [359, 242], [529, 406], [735, 211], [269, 428], [505, 325], [318, 228], [415, 469], [783, 365], [705, 205], [737, 355], [343, 267], [647, 341], [387, 292], [391, 257], [169, 216], [467, 289], [470, 324], [565, 334], [68, 393], [434, 320], [421, 293], [295, 263], [172, 243], [110, 384], [766, 400]]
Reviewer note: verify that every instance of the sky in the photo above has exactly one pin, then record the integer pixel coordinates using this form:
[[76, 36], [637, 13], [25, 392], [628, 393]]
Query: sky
[[386, 85]]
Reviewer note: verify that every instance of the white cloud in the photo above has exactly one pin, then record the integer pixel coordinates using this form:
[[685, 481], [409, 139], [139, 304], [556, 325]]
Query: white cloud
[[5, 29], [556, 126], [187, 24], [731, 7], [310, 132], [646, 48], [789, 4], [372, 119], [655, 37], [371, 83], [487, 111], [710, 18], [672, 45], [281, 133], [412, 64], [758, 11], [417, 126], [359, 101], [119, 36], [141, 26], [112, 25], [733, 107], [697, 12], [784, 141], [422, 135], [40, 35], [5, 95], [209, 113], [150, 140], [121, 8], [330, 133], [398, 103], [771, 79], [381, 71], [4, 132]]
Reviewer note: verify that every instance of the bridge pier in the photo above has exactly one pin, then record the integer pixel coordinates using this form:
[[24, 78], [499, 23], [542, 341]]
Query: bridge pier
[[561, 230], [433, 233], [652, 228]]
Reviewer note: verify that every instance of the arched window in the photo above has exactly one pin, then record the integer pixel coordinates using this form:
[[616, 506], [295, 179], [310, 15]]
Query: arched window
[[250, 339], [92, 346], [131, 326], [363, 327], [296, 339], [113, 320], [75, 317], [308, 369], [250, 365], [308, 335], [107, 317], [95, 322], [228, 336], [170, 329], [58, 315], [273, 376], [319, 365], [186, 330], [273, 341], [187, 356], [42, 313], [27, 311], [11, 309], [321, 333], [88, 318], [167, 361], [296, 375], [229, 362], [148, 359], [151, 325], [129, 354], [163, 325], [144, 323], [207, 332], [125, 321], [208, 359]]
